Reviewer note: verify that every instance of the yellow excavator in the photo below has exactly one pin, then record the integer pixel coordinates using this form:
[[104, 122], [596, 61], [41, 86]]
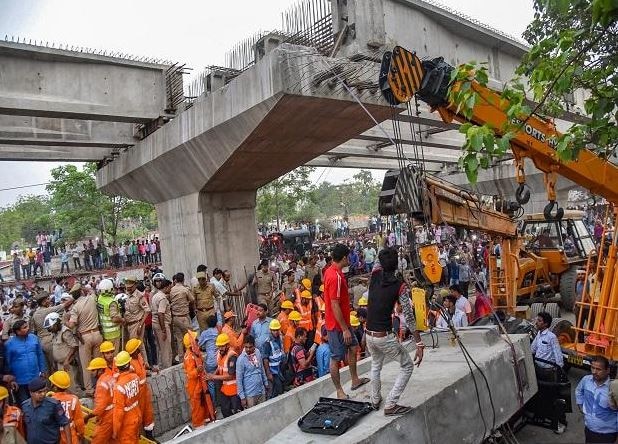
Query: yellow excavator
[[404, 76]]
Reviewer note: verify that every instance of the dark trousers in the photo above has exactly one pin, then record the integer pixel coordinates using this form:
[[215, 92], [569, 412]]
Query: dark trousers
[[276, 387], [64, 264], [602, 438], [229, 404], [151, 345], [22, 394], [77, 263]]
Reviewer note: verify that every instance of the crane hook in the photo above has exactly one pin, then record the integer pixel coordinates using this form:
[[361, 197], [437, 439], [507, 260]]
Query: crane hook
[[522, 194], [548, 211]]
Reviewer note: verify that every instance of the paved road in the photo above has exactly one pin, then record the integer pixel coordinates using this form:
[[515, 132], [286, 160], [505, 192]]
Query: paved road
[[574, 433]]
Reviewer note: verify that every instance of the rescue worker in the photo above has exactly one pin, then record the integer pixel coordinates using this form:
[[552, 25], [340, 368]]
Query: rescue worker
[[162, 321], [84, 319], [61, 381], [108, 352], [320, 322], [37, 319], [181, 304], [286, 308], [12, 418], [304, 308], [204, 295], [273, 358], [202, 409], [64, 345], [109, 313], [236, 340], [136, 310], [127, 416], [226, 373], [133, 348], [17, 314], [103, 400], [288, 339]]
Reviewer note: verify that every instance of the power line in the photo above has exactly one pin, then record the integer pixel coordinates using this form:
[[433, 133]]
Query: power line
[[24, 186]]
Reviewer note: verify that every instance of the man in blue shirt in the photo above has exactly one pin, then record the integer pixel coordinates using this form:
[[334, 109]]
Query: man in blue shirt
[[545, 345], [207, 344], [44, 416], [24, 358], [592, 397], [272, 353], [260, 329], [250, 375], [322, 354]]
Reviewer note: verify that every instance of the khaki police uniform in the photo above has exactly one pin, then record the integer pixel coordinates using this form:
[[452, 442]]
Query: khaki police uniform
[[180, 300], [160, 304], [7, 327], [204, 303], [45, 336], [264, 289], [63, 343], [135, 310], [85, 316]]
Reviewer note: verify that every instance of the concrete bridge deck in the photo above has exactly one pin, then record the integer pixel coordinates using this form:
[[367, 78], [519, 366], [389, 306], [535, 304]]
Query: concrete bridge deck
[[441, 391]]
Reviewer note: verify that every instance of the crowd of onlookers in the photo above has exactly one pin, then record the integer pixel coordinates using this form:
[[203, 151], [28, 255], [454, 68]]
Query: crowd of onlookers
[[89, 256]]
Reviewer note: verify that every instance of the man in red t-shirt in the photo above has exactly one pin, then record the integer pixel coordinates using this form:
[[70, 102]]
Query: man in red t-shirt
[[342, 341]]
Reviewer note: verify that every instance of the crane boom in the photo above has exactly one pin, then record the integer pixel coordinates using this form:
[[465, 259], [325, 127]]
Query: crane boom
[[430, 81]]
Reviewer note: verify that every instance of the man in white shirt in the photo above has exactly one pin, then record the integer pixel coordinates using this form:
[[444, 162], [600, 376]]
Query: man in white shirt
[[457, 316], [369, 254], [461, 302]]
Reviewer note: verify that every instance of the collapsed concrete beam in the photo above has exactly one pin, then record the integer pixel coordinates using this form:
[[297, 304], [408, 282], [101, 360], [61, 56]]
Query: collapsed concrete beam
[[440, 390], [389, 152]]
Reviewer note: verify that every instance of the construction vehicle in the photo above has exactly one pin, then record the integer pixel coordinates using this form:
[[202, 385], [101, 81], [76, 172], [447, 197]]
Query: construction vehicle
[[404, 76]]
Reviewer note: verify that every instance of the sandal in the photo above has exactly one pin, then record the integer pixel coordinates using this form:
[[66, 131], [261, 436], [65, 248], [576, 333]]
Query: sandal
[[361, 382]]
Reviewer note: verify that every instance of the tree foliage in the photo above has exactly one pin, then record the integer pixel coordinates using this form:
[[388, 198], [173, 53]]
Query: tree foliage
[[80, 208], [22, 221], [574, 49], [300, 200]]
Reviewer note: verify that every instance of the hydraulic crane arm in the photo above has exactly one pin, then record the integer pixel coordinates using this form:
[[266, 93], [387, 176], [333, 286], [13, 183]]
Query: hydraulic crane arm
[[404, 75]]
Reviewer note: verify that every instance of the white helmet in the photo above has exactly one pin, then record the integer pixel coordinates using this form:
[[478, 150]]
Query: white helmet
[[121, 297], [159, 277], [51, 320], [106, 285]]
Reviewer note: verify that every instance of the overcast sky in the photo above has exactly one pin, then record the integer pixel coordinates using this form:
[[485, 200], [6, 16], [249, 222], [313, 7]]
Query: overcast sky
[[195, 32]]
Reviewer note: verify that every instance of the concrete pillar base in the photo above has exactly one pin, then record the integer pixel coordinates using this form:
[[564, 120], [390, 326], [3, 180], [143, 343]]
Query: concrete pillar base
[[216, 229]]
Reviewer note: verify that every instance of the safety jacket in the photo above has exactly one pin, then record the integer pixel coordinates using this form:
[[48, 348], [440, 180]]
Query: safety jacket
[[288, 339], [276, 355], [229, 387], [284, 321], [305, 311], [145, 397], [13, 417], [110, 329], [73, 411], [127, 416], [103, 406]]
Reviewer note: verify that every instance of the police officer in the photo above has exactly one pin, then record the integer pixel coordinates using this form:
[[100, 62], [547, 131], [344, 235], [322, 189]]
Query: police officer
[[84, 318], [204, 295], [136, 308], [17, 313], [37, 319], [44, 416], [110, 318], [181, 303], [64, 345]]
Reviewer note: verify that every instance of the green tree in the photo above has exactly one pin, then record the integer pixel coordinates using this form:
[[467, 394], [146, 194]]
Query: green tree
[[283, 197], [24, 219], [80, 208], [574, 46]]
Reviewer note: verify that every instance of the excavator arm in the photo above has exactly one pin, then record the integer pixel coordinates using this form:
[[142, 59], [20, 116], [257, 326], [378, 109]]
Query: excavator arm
[[404, 75]]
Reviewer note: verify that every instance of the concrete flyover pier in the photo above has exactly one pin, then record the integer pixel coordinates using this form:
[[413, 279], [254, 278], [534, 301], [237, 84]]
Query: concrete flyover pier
[[202, 169], [441, 391]]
